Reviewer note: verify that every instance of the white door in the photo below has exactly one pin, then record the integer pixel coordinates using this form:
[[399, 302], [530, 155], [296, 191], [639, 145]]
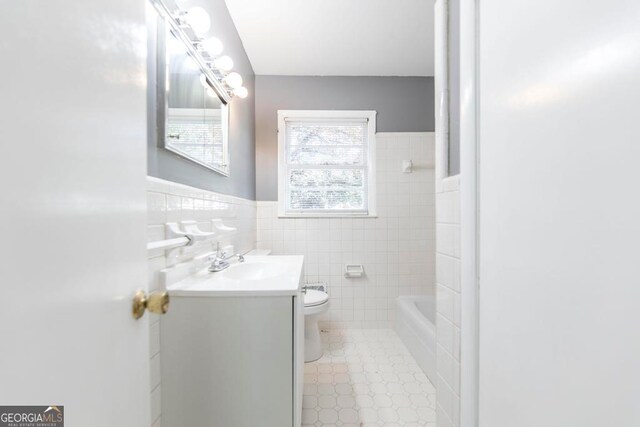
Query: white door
[[559, 140], [72, 206]]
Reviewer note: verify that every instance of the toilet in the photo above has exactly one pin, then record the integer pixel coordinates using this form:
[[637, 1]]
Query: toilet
[[315, 304]]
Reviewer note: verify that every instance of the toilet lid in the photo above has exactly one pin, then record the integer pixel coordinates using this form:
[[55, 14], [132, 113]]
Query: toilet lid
[[314, 297]]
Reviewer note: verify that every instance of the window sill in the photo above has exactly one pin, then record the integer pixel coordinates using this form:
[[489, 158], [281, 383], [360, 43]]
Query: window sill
[[319, 216]]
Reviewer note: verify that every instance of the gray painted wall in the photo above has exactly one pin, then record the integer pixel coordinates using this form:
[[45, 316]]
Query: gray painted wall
[[166, 165], [404, 104]]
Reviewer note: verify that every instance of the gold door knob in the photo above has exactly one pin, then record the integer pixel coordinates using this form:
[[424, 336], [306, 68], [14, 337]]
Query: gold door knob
[[157, 302]]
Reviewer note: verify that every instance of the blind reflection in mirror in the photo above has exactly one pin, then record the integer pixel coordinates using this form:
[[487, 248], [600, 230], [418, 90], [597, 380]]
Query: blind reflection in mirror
[[196, 117]]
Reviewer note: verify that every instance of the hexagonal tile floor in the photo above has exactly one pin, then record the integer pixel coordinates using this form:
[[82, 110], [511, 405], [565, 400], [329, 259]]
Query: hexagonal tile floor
[[367, 377]]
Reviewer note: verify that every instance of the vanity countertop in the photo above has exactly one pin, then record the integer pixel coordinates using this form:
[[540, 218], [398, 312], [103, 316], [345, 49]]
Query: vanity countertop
[[274, 275]]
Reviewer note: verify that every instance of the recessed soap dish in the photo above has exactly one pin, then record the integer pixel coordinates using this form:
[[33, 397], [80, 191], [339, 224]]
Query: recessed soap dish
[[353, 270]]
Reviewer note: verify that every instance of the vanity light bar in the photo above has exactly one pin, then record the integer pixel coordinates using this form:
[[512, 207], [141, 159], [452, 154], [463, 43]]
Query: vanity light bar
[[217, 68]]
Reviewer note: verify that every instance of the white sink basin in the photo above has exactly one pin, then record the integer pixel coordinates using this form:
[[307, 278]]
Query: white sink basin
[[274, 275], [254, 271]]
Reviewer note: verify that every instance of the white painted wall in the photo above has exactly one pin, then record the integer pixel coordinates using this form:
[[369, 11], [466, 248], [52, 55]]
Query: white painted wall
[[396, 248], [468, 217], [559, 213]]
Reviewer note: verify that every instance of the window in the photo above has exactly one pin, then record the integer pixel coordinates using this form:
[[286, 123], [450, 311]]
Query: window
[[326, 163]]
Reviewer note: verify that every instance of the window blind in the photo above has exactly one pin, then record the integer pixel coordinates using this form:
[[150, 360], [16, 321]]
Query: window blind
[[326, 165], [198, 136]]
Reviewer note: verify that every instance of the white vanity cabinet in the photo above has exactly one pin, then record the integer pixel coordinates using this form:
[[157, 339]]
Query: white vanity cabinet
[[233, 358]]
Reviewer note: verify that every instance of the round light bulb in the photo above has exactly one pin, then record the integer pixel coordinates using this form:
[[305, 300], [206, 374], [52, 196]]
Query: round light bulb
[[191, 64], [213, 45], [241, 92], [174, 47], [224, 63], [203, 81], [199, 20], [234, 80], [211, 93]]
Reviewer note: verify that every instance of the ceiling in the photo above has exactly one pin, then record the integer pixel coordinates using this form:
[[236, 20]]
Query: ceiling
[[336, 37]]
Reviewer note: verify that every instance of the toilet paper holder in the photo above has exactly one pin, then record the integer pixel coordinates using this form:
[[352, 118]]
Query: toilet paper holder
[[353, 270]]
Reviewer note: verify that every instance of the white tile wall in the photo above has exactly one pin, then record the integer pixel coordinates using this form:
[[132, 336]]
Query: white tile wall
[[171, 202], [448, 302], [396, 248]]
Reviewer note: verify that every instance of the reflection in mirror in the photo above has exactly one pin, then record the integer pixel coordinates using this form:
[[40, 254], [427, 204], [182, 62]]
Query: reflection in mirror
[[196, 119]]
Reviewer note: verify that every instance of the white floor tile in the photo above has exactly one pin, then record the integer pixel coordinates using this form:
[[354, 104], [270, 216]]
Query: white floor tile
[[366, 378]]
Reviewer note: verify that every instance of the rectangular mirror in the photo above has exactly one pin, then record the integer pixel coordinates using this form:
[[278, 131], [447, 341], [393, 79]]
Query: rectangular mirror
[[194, 119]]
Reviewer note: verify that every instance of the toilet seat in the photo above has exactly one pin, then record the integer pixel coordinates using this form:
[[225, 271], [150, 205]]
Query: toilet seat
[[313, 298]]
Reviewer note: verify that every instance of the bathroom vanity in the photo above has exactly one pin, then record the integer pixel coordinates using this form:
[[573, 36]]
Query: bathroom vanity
[[233, 344]]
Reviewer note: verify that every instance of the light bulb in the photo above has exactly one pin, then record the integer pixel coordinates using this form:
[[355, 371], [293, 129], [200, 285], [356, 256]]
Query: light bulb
[[212, 45], [234, 80], [199, 20], [174, 47], [211, 93], [241, 92], [191, 64], [224, 63], [203, 81]]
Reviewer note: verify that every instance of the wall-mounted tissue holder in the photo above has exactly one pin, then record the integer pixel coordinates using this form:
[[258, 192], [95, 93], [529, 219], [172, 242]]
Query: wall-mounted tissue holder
[[353, 270]]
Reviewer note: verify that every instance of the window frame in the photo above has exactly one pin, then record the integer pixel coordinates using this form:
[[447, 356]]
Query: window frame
[[327, 115]]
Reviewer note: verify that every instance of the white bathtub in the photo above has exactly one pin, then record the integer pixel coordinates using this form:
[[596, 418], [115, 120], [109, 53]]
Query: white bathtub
[[416, 326]]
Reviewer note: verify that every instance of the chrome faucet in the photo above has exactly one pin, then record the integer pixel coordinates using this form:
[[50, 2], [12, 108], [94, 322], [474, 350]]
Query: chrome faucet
[[220, 261]]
